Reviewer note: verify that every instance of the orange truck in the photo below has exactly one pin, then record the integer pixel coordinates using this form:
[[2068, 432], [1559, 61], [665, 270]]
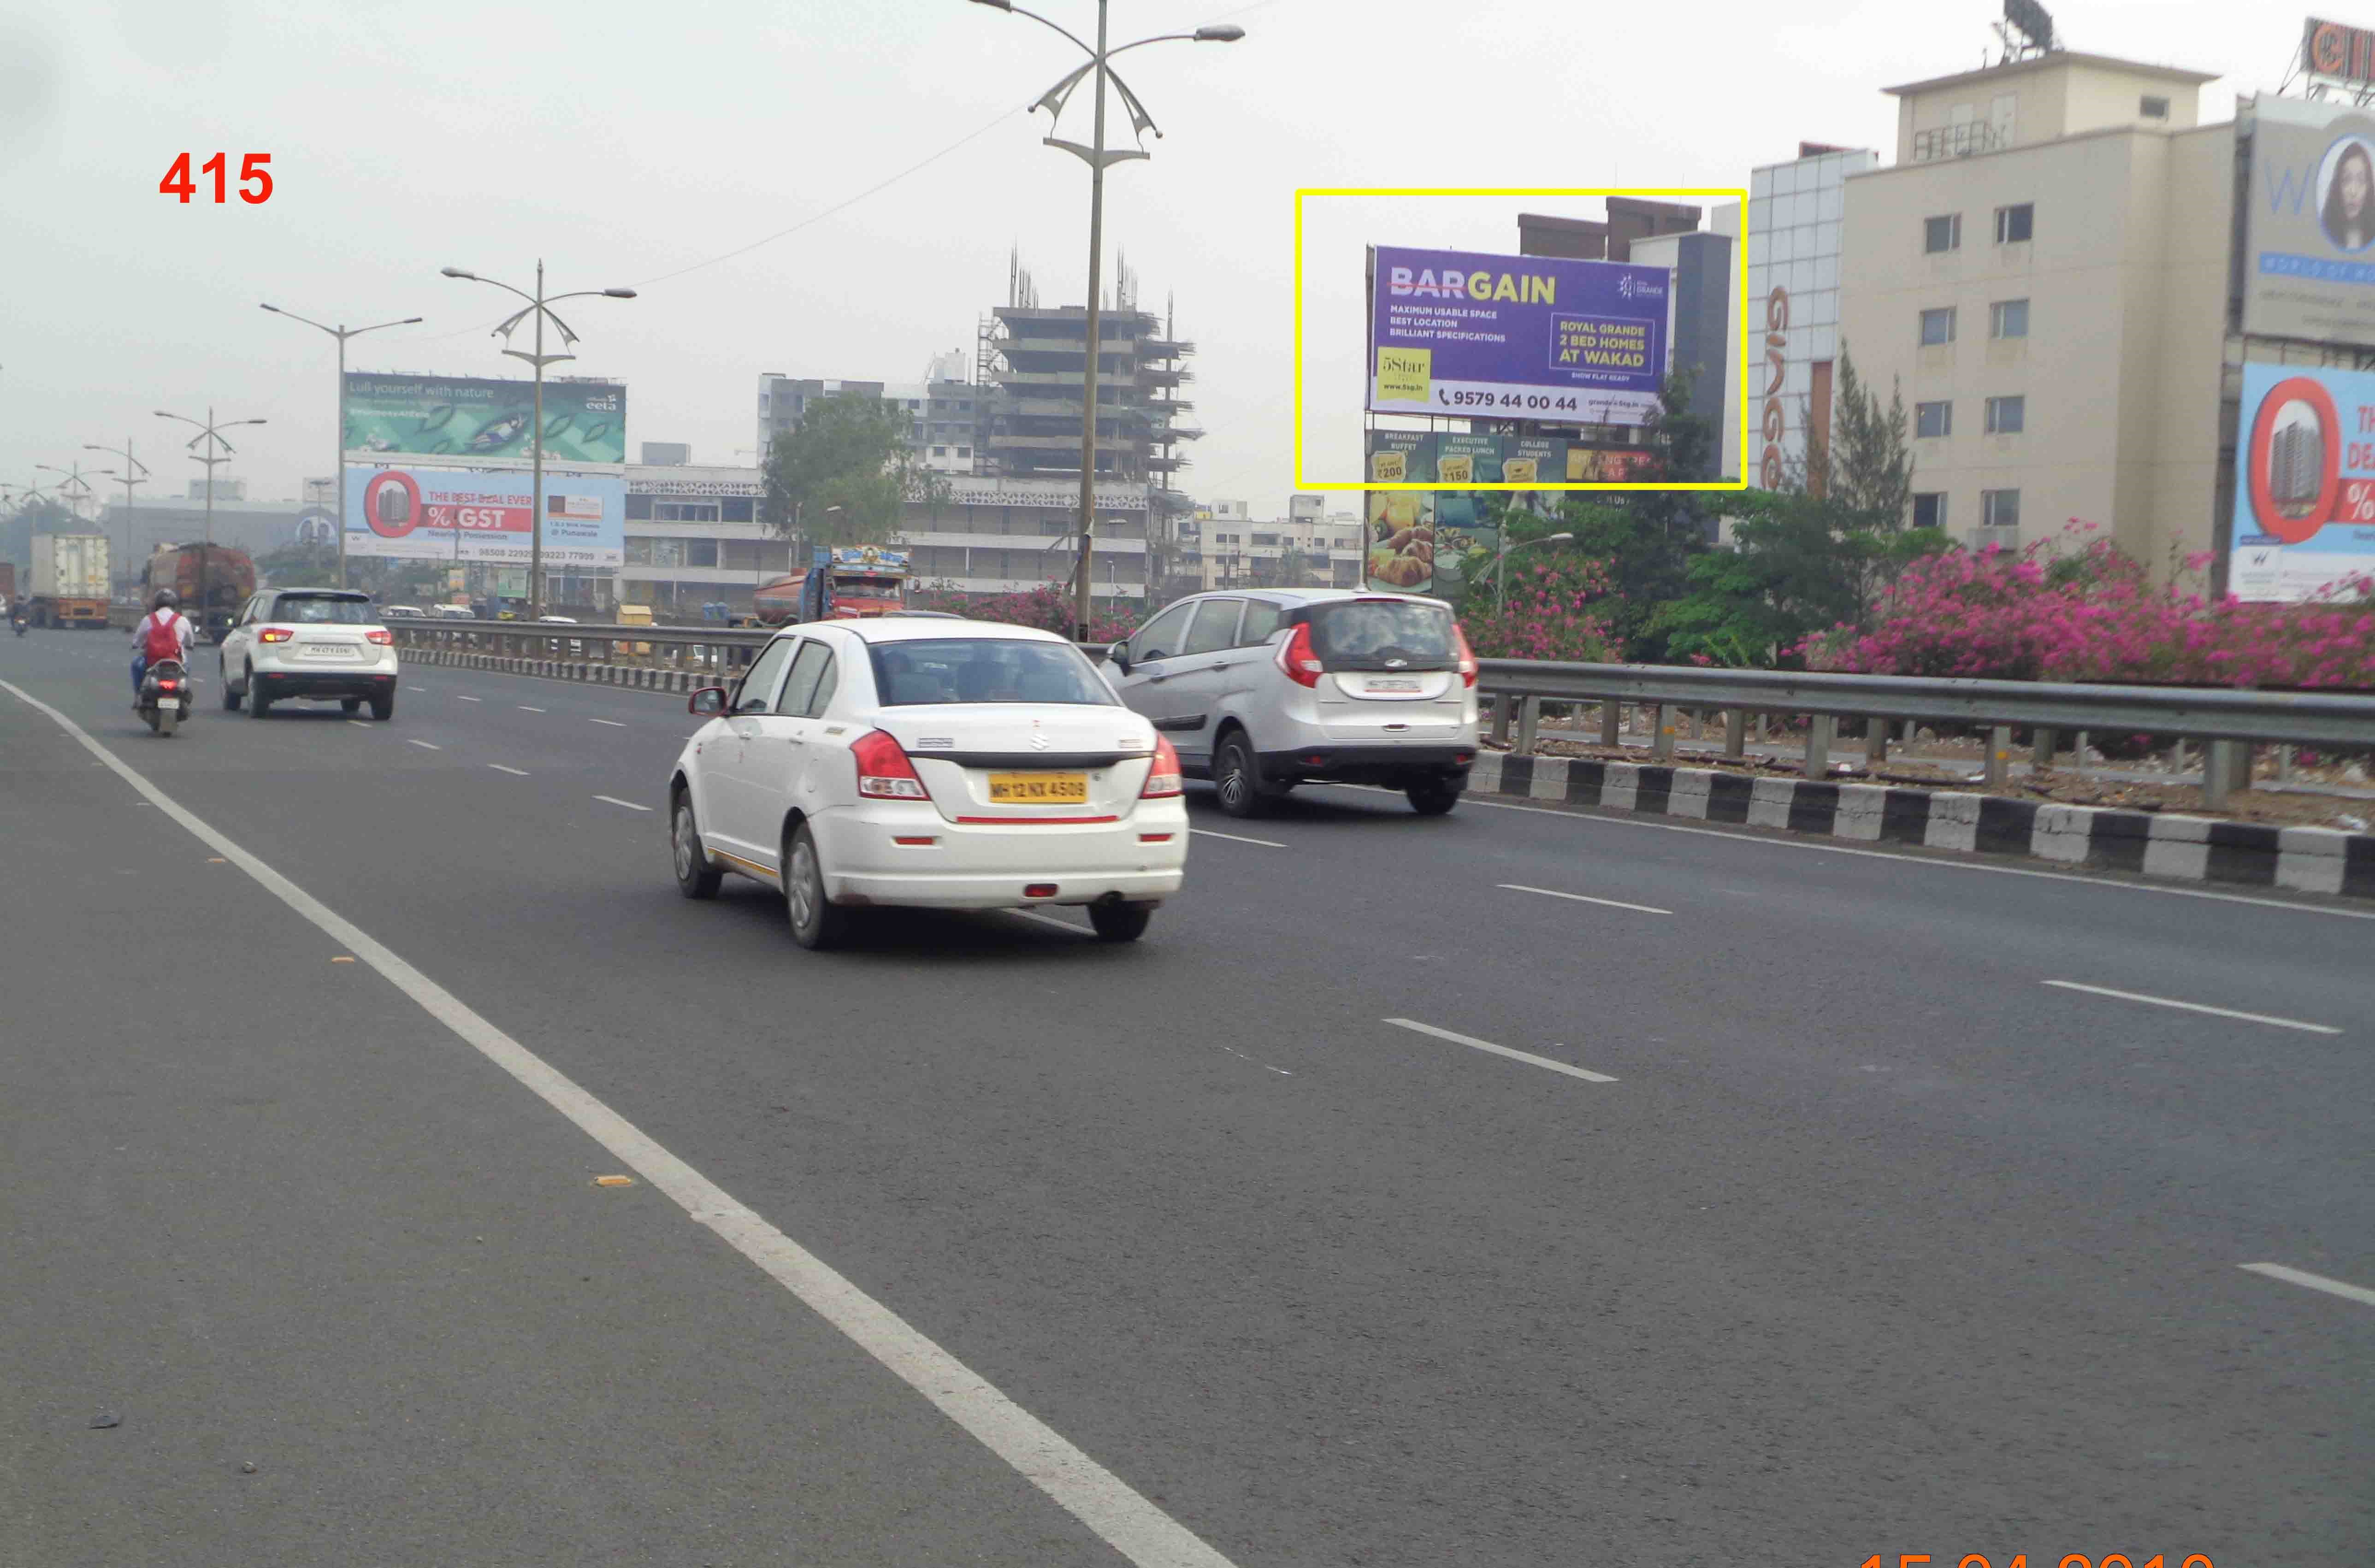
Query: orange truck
[[211, 581], [845, 585]]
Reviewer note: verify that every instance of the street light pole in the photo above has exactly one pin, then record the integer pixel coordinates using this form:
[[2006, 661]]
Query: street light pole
[[210, 433], [129, 479], [539, 305], [338, 469], [1097, 155]]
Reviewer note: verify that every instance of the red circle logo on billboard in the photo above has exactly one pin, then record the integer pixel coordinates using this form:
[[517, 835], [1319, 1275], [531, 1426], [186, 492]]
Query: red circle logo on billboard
[[392, 503], [2296, 460]]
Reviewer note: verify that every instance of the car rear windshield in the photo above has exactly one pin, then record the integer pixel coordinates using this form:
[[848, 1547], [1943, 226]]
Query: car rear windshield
[[1369, 633], [325, 609], [985, 669]]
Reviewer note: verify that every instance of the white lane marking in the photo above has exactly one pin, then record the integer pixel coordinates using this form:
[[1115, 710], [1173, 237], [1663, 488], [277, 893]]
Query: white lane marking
[[1240, 1054], [2314, 1282], [522, 772], [1527, 1056], [360, 724], [1049, 919], [1234, 838], [1579, 898], [424, 745], [2194, 1007], [1120, 1515], [525, 709], [612, 722], [459, 698], [1939, 862], [424, 689], [630, 805]]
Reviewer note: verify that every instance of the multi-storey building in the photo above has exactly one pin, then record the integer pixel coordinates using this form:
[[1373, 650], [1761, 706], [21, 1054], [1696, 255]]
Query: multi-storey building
[[943, 414]]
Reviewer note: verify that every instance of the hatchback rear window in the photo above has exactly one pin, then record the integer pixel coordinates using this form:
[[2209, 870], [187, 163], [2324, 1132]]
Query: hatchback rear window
[[985, 669], [323, 609], [1367, 633]]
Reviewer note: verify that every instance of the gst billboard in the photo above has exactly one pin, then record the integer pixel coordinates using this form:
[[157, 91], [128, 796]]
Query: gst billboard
[[1516, 337], [462, 418], [2304, 482], [478, 514], [2309, 246]]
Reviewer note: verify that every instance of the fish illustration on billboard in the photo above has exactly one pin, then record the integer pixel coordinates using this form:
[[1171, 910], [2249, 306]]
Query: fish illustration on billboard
[[500, 434]]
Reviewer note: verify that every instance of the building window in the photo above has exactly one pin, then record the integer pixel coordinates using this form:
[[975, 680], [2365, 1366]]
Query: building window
[[685, 511], [2006, 415], [2008, 318], [965, 452], [2153, 108], [2013, 223], [1943, 233], [1999, 509], [1937, 327], [939, 451], [700, 552], [1930, 509], [1931, 420]]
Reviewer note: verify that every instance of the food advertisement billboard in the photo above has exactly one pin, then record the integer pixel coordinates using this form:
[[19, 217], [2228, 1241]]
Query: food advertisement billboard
[[1416, 539], [478, 514], [2304, 482], [1516, 337], [2309, 246], [464, 417]]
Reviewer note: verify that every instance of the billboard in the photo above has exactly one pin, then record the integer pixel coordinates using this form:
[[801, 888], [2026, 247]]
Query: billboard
[[1416, 540], [2304, 482], [2309, 247], [1516, 337], [464, 417], [478, 514]]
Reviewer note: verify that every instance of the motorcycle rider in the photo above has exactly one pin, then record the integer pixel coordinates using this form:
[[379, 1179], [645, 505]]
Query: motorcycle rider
[[164, 633]]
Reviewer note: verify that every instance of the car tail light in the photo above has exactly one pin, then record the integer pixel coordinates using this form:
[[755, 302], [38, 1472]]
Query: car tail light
[[1163, 778], [1039, 890], [1295, 657], [275, 635], [883, 771], [1467, 655], [381, 636]]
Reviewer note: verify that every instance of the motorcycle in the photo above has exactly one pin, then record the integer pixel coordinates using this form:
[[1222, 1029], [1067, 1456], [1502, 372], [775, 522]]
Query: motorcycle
[[20, 624], [167, 695]]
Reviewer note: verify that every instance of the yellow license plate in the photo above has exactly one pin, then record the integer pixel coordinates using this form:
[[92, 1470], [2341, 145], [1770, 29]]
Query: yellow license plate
[[1039, 789]]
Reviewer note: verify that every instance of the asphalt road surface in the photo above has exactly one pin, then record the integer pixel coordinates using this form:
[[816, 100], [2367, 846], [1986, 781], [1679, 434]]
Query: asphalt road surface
[[1519, 1187]]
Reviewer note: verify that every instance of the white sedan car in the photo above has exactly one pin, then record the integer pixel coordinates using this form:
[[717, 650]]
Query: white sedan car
[[929, 763]]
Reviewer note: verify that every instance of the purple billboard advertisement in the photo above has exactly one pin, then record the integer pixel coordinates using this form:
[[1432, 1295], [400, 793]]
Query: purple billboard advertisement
[[1516, 337]]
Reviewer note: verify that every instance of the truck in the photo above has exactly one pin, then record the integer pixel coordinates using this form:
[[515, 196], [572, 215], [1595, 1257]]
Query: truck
[[7, 583], [69, 580], [855, 583], [211, 581]]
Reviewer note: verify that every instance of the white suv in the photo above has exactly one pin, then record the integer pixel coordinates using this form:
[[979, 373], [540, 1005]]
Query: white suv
[[1265, 689], [315, 643]]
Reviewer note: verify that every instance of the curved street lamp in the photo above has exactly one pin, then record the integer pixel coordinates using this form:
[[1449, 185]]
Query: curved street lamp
[[338, 469], [539, 305], [1097, 155], [218, 452], [134, 472]]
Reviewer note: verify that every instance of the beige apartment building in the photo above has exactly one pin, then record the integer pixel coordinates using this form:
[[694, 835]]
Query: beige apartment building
[[2045, 272]]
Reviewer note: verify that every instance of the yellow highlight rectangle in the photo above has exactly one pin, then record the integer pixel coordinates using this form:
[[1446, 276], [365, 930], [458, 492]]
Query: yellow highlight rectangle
[[1739, 267]]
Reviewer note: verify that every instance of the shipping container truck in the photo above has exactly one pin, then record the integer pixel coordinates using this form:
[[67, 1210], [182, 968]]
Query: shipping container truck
[[9, 583], [211, 581], [70, 580]]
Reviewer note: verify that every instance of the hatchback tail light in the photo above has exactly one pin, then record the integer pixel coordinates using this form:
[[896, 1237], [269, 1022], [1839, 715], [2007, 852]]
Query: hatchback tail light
[[1298, 659], [1467, 655], [380, 635], [1162, 779], [883, 771], [275, 635]]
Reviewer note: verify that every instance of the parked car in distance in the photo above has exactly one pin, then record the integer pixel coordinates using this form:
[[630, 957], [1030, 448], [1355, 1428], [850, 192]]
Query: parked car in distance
[[464, 612], [312, 644], [401, 612], [1262, 690], [932, 763]]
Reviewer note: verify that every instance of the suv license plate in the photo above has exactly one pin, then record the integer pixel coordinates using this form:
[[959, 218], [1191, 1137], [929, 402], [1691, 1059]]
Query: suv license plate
[[1039, 789], [1393, 684]]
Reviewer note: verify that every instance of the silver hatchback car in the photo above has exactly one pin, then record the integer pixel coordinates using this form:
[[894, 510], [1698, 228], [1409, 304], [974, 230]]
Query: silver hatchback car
[[1261, 690]]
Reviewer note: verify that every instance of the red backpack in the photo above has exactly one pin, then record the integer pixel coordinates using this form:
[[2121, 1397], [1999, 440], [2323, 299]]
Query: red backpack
[[161, 641]]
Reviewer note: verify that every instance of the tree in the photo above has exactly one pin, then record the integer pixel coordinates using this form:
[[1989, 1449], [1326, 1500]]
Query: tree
[[299, 565], [1869, 472], [849, 451]]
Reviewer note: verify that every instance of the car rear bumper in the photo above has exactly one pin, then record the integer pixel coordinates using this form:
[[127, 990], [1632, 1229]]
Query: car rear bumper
[[965, 865], [1368, 763], [279, 683]]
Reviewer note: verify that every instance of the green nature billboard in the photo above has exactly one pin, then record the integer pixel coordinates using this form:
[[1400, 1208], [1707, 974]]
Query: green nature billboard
[[468, 419]]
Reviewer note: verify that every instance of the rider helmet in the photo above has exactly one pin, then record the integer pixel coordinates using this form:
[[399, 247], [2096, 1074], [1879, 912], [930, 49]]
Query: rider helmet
[[165, 599]]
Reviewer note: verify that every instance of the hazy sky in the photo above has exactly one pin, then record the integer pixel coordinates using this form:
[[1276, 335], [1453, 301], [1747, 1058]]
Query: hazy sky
[[624, 142]]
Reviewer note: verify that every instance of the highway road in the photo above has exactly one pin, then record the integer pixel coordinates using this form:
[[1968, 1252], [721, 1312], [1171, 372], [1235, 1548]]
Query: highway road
[[1520, 1187]]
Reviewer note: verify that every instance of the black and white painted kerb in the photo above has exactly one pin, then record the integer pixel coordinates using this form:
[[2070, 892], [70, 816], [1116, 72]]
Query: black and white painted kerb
[[631, 676], [2191, 849]]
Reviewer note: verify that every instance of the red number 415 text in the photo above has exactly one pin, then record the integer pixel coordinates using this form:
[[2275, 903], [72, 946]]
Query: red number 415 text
[[177, 181]]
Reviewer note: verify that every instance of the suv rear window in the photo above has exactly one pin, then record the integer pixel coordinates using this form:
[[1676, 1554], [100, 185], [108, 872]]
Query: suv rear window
[[1366, 633], [985, 669], [325, 609]]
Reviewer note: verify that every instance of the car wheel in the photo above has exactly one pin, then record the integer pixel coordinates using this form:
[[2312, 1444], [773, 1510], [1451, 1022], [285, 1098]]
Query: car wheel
[[1120, 922], [816, 925], [1236, 779], [695, 878], [1434, 798], [351, 706], [256, 701], [382, 708], [230, 692]]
